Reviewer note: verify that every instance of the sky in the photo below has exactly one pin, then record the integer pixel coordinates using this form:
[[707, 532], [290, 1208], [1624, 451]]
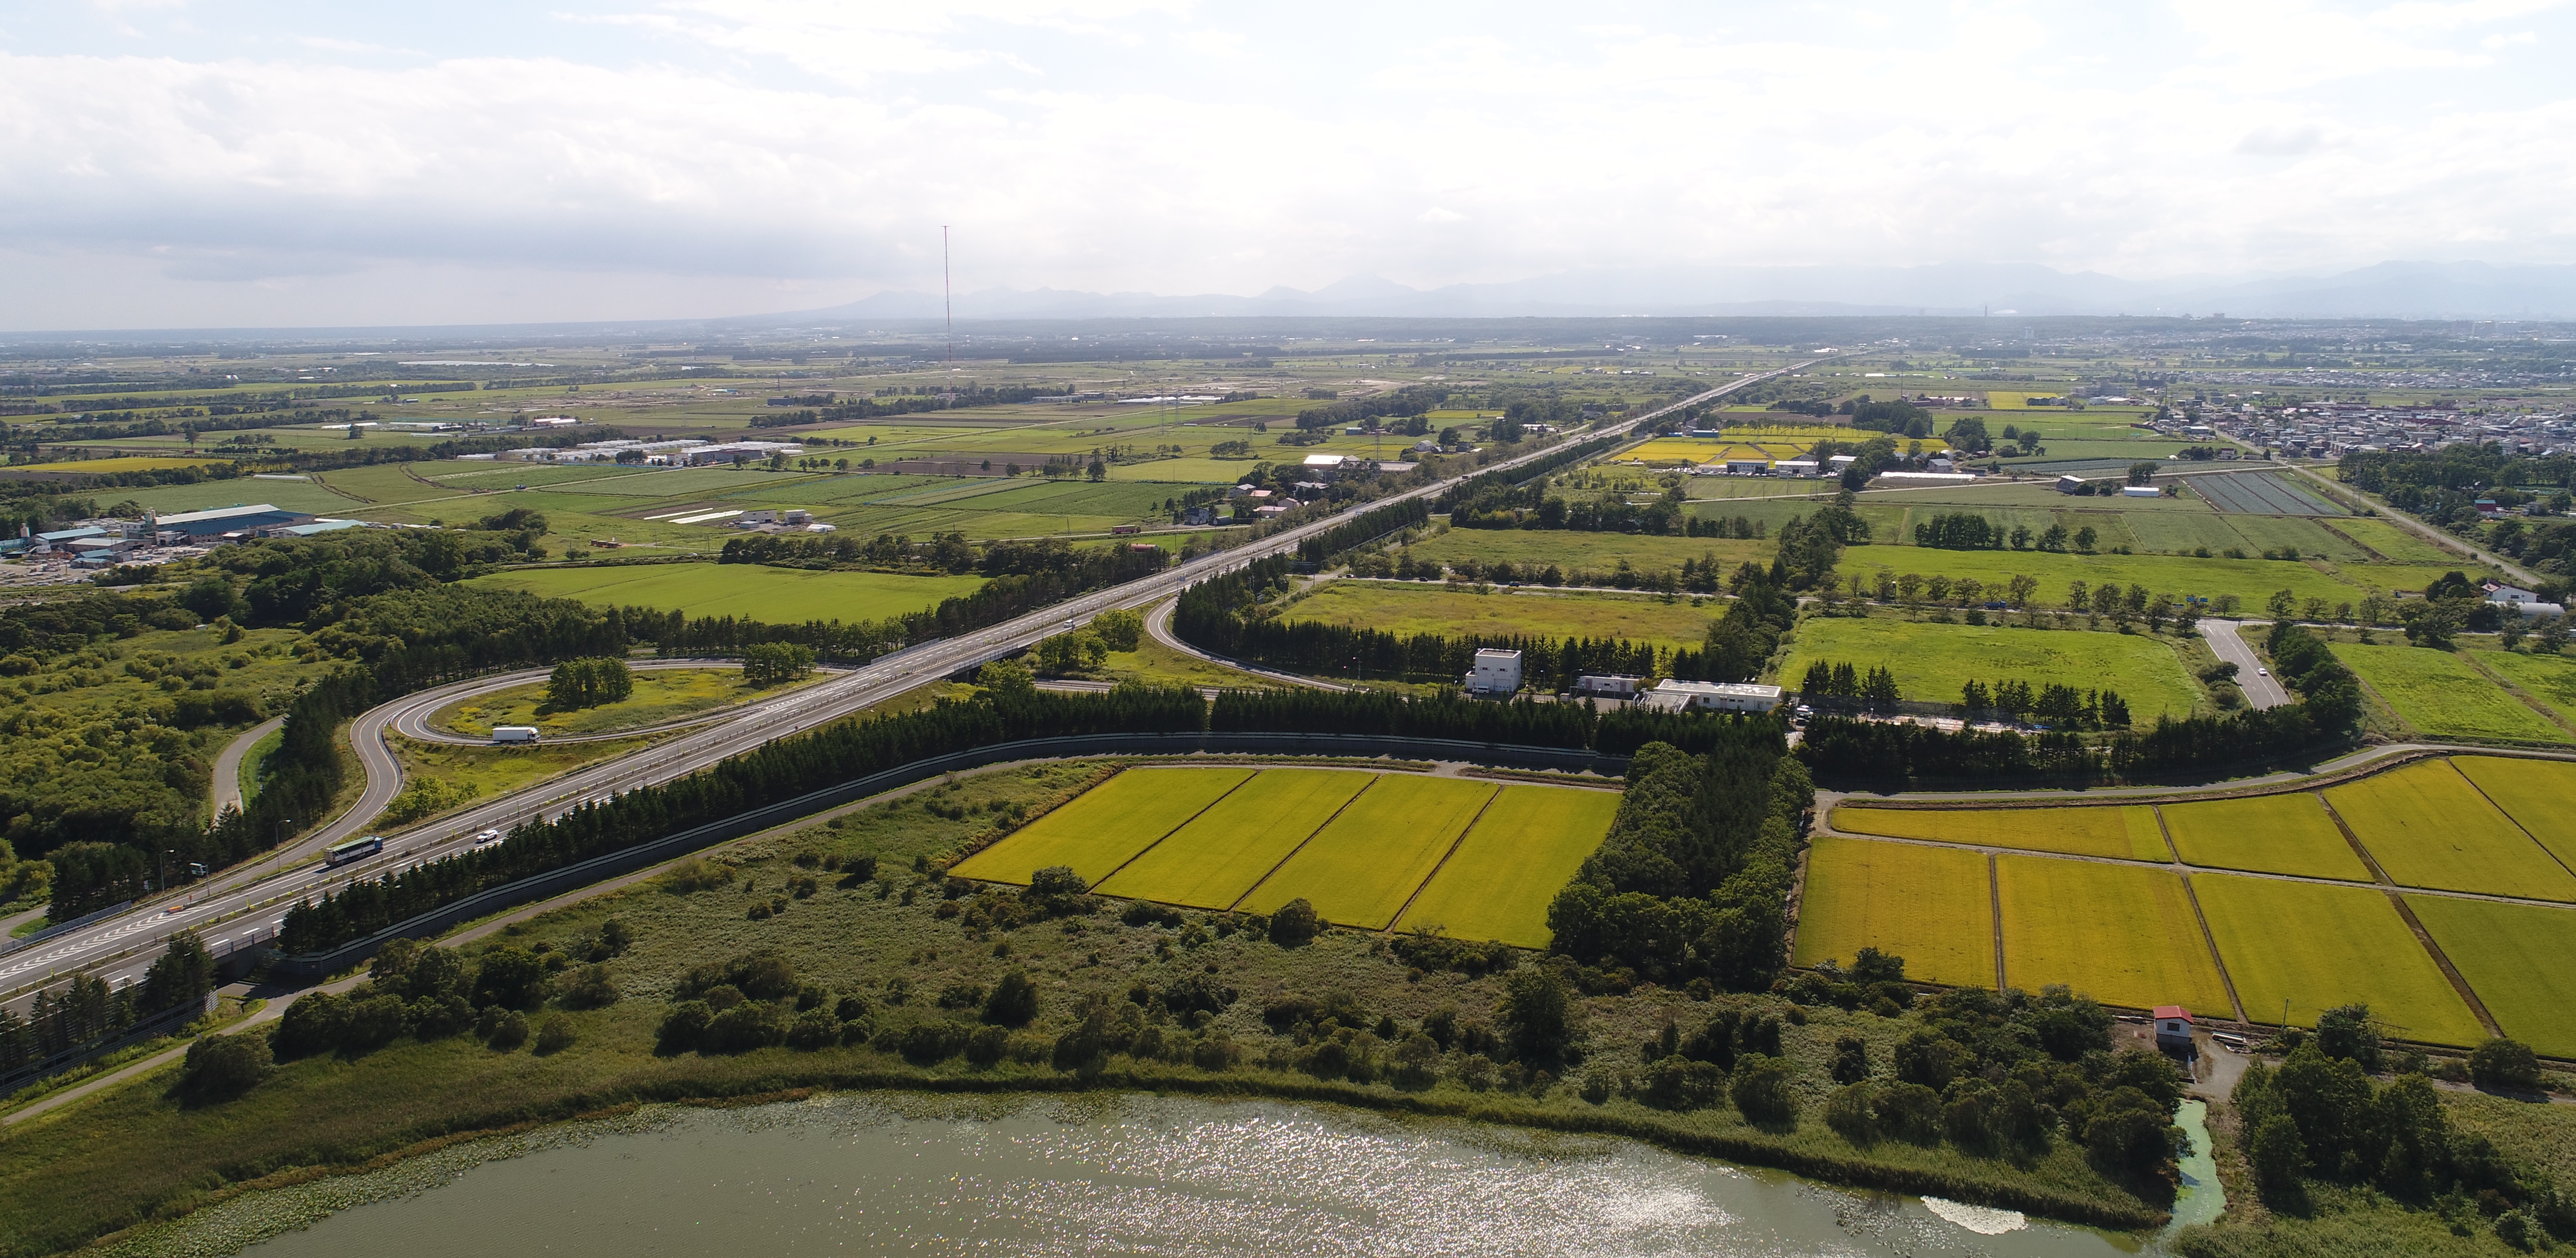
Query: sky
[[201, 163]]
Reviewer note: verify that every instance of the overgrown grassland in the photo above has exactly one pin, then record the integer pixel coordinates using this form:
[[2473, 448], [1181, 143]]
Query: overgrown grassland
[[1500, 880], [1210, 862], [2126, 832], [661, 695], [2439, 693], [1932, 906], [2125, 935], [1932, 660], [483, 771], [2320, 946], [2268, 834], [1572, 551], [1106, 826], [1360, 869], [1411, 607], [2515, 958], [2535, 793], [776, 595], [2429, 827], [2549, 678]]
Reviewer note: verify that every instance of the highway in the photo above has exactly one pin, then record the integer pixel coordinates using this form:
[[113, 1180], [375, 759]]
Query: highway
[[243, 906]]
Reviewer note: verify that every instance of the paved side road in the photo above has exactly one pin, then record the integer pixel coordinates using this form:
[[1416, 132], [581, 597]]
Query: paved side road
[[2261, 691], [228, 765]]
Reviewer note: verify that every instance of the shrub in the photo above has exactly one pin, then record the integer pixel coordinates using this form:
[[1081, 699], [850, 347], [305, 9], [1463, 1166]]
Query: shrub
[[1910, 1112], [554, 1035], [589, 988], [1677, 1083], [986, 1046], [1537, 1016], [1057, 880], [1295, 924], [1851, 1059], [2505, 1066], [510, 976], [929, 1043], [1761, 1090], [219, 1067], [510, 1032], [1014, 1001], [683, 1027], [813, 1029], [749, 1025], [1848, 1112], [2278, 1155]]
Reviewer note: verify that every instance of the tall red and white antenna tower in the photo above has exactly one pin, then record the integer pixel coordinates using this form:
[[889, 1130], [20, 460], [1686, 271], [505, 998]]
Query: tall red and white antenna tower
[[947, 304]]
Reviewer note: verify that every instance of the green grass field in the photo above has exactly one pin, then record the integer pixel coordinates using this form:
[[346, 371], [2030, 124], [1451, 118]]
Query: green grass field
[[2126, 832], [1220, 854], [1929, 905], [661, 695], [2121, 934], [2301, 533], [1105, 826], [2269, 834], [1504, 874], [2549, 678], [2429, 827], [1931, 660], [310, 497], [2250, 580], [2320, 946], [2395, 543], [777, 595], [1359, 870], [2439, 693], [1410, 607], [2532, 792], [2515, 958], [1586, 552]]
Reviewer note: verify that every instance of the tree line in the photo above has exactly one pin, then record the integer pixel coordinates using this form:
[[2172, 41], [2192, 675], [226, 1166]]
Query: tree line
[[84, 1011]]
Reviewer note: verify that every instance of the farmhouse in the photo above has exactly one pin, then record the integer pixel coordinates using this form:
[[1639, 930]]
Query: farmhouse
[[1670, 695], [2070, 484]]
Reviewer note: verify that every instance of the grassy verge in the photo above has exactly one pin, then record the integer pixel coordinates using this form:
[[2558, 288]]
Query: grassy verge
[[139, 1153], [254, 764], [661, 695]]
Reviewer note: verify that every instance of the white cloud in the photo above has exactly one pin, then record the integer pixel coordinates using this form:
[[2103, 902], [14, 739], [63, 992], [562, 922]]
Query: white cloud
[[765, 147]]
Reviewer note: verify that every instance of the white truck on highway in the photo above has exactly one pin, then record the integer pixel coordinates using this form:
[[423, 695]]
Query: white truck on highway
[[514, 733]]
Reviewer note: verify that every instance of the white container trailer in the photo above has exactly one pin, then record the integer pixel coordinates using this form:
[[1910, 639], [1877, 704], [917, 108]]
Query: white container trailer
[[514, 733]]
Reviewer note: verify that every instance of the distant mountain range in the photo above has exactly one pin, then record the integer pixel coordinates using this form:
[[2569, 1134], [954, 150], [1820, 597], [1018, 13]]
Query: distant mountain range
[[2401, 290]]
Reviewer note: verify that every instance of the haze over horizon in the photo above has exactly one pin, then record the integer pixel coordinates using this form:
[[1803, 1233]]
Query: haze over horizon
[[195, 164]]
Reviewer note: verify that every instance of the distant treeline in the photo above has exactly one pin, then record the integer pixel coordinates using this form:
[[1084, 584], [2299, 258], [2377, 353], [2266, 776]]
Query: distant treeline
[[907, 404]]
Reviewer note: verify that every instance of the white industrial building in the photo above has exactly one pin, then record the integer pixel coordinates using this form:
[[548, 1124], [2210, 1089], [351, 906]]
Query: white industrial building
[[1670, 695], [1496, 673]]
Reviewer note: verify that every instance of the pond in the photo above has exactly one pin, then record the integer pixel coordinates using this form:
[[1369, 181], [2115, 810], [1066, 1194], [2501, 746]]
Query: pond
[[887, 1173]]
